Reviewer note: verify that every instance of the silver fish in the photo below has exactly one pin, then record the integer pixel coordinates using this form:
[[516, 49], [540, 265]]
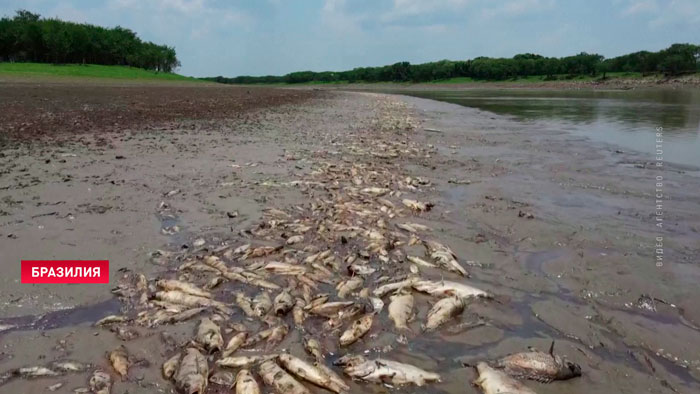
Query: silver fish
[[209, 335], [191, 376], [281, 381], [100, 382], [385, 371], [262, 304], [171, 365], [401, 310], [448, 288], [540, 366], [310, 373], [443, 311], [346, 287], [234, 343], [223, 378], [283, 303], [357, 330], [245, 383], [242, 361], [493, 381]]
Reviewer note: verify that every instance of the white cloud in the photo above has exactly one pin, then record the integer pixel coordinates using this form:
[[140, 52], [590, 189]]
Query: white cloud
[[635, 7], [517, 7], [678, 12], [418, 7], [663, 13], [336, 17]]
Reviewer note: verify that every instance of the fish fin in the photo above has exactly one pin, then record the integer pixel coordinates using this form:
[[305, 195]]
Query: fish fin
[[551, 349]]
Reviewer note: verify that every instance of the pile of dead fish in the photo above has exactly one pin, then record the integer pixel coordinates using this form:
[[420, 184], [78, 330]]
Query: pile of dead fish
[[325, 270]]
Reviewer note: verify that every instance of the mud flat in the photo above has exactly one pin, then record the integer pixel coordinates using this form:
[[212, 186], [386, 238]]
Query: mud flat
[[559, 229]]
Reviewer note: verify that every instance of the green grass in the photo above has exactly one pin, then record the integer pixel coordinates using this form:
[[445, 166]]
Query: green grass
[[86, 71]]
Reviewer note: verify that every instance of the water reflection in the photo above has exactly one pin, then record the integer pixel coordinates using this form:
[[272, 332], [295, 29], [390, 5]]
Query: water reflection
[[627, 118]]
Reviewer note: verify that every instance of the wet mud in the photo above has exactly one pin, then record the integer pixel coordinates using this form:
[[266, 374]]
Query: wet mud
[[565, 246]]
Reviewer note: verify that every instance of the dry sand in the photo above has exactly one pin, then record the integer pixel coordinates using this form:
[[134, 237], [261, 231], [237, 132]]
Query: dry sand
[[560, 228]]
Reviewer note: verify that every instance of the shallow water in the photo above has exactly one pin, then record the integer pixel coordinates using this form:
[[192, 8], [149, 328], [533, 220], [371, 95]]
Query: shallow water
[[626, 118]]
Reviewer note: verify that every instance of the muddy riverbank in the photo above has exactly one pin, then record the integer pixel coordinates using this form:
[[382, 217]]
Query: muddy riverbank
[[561, 230]]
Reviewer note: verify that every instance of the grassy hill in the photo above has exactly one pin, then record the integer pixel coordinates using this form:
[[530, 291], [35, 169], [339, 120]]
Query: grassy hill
[[87, 71]]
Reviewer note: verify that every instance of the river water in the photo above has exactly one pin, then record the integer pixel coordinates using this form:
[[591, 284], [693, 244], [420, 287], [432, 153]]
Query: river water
[[626, 118]]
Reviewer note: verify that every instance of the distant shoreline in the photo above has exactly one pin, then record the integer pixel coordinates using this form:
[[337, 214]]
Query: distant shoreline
[[688, 81]]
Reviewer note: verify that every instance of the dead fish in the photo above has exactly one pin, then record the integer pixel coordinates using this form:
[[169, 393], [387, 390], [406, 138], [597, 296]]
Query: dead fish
[[111, 319], [377, 304], [283, 303], [401, 310], [419, 261], [295, 239], [299, 314], [223, 378], [540, 366], [178, 297], [307, 281], [390, 287], [386, 371], [191, 376], [245, 304], [177, 317], [261, 251], [376, 191], [280, 268], [262, 304], [241, 249], [100, 382], [334, 377], [259, 336], [346, 287], [318, 299], [214, 282], [357, 330], [313, 347], [308, 372], [119, 359], [171, 365], [413, 227], [209, 335], [448, 288], [329, 309], [34, 372], [361, 269], [246, 383], [69, 366], [216, 263], [443, 311], [343, 315], [445, 257], [493, 381], [125, 333], [281, 381], [6, 377], [242, 361], [234, 343], [277, 335], [417, 206]]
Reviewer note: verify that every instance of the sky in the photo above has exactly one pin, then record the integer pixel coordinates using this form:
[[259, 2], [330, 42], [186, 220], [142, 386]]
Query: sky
[[275, 37]]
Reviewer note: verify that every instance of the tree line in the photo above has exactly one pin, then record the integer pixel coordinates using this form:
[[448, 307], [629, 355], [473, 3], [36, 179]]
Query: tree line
[[29, 38], [677, 59]]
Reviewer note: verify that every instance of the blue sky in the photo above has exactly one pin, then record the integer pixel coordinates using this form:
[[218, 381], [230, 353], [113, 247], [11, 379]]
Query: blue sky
[[259, 37]]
